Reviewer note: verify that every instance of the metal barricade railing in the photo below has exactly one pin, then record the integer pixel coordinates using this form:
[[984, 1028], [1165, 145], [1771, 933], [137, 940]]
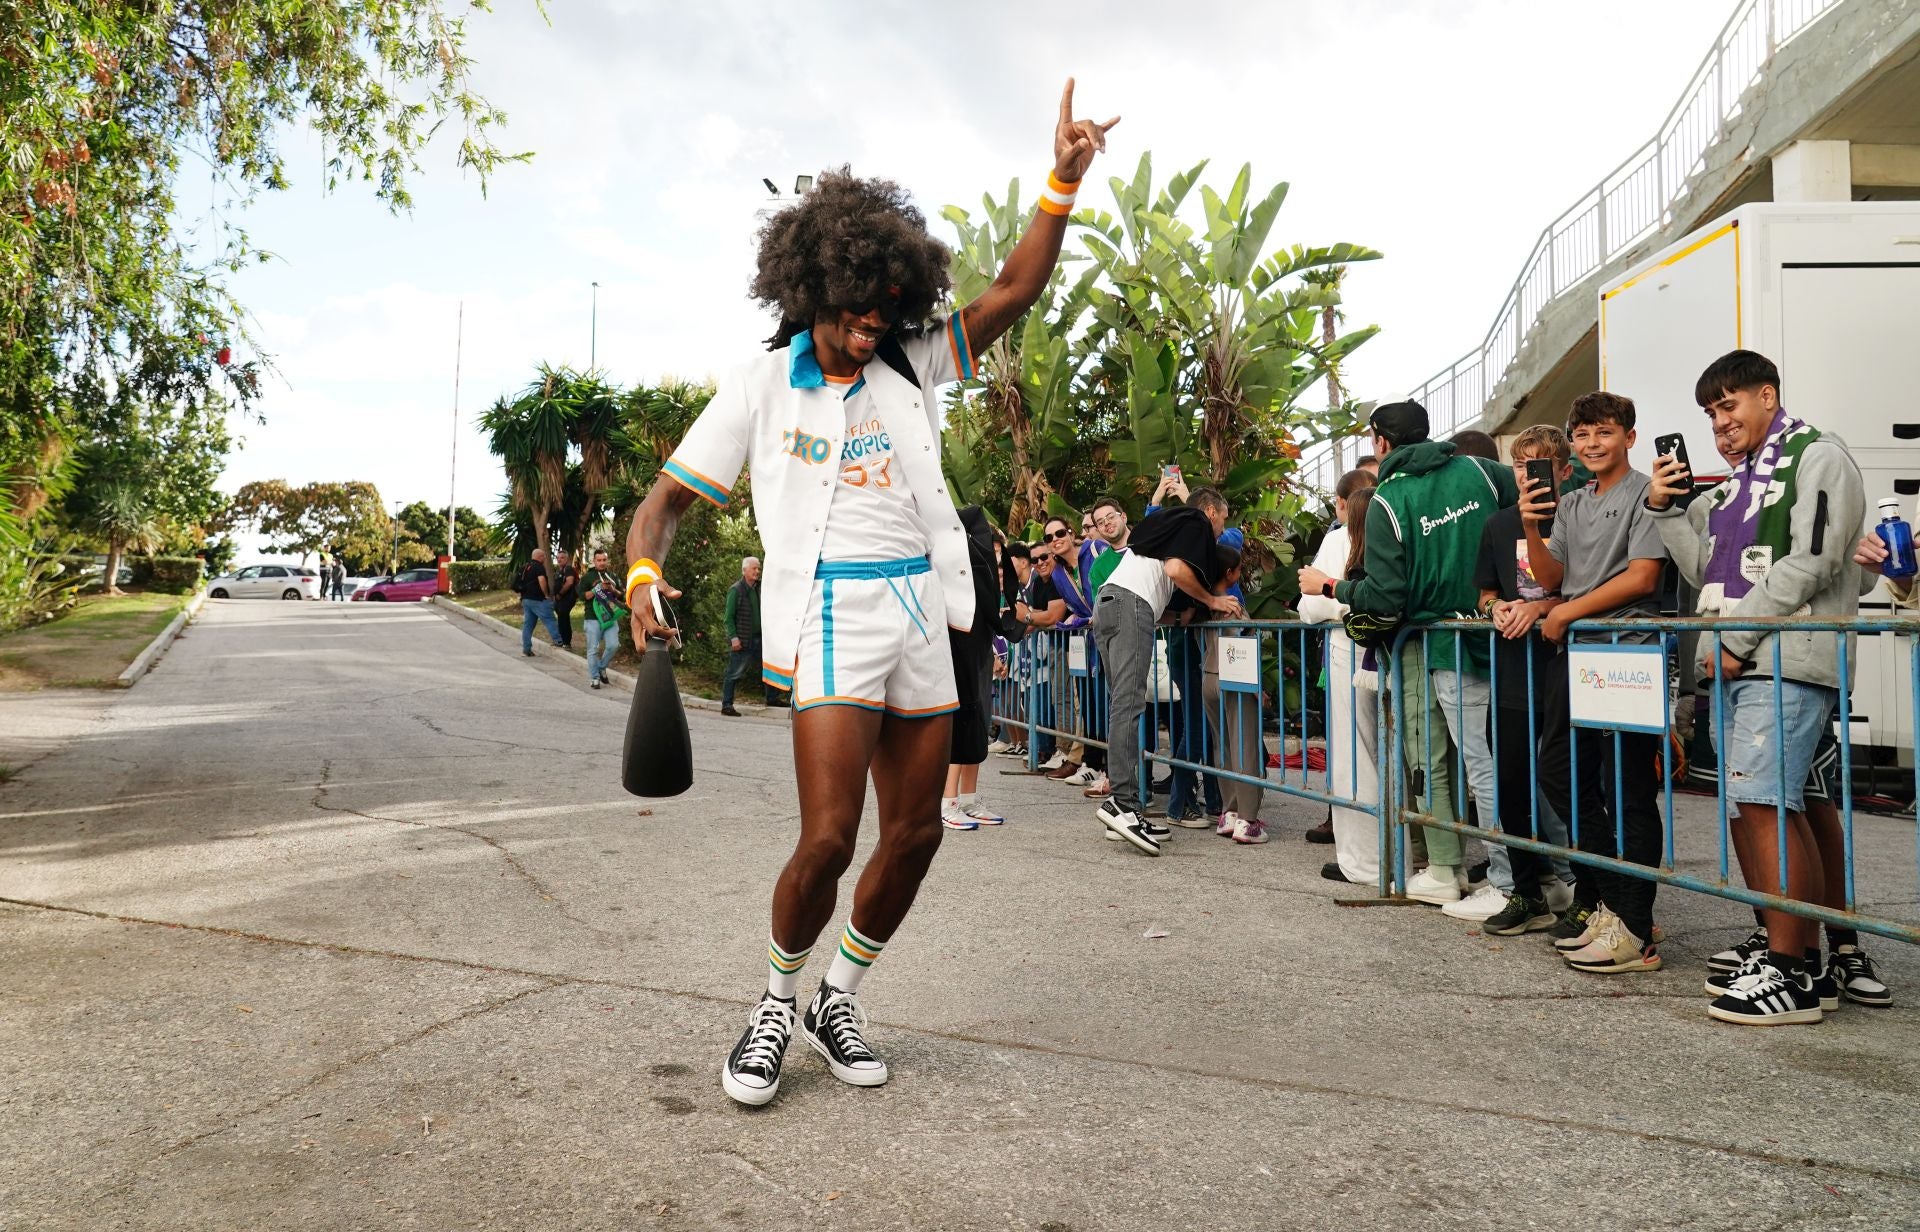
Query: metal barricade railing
[[1051, 688], [1647, 676], [1307, 687]]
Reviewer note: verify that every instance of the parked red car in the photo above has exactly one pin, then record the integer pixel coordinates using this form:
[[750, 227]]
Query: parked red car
[[408, 585]]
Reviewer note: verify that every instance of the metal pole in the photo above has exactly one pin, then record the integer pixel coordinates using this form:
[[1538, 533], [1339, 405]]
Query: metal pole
[[453, 451], [593, 332]]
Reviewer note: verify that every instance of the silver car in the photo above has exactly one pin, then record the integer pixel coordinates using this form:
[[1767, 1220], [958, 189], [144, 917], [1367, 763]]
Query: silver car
[[266, 582]]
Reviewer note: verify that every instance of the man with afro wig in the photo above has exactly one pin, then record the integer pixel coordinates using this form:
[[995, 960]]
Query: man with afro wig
[[839, 426]]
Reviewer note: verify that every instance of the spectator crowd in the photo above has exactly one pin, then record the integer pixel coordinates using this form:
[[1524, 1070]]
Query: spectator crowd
[[1111, 632]]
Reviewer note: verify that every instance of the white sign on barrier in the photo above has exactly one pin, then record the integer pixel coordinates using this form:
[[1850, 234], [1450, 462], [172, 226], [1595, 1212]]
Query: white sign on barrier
[[1240, 664], [1077, 654], [1618, 688]]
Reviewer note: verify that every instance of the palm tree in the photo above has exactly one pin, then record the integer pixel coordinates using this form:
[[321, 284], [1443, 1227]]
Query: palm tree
[[121, 512], [530, 435]]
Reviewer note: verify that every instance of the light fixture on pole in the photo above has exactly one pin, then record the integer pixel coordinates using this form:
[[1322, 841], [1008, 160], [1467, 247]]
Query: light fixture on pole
[[593, 332]]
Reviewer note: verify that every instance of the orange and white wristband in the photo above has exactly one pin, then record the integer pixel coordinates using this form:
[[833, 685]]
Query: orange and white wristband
[[1057, 197], [643, 572]]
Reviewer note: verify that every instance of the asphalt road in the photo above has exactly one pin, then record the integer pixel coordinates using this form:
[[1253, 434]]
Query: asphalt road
[[340, 920]]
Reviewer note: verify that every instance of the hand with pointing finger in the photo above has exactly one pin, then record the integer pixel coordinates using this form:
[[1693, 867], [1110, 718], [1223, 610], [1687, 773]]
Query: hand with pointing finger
[[1075, 142]]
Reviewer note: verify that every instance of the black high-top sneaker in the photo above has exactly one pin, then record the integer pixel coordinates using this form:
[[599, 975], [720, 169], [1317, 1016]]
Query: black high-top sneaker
[[752, 1072], [832, 1024]]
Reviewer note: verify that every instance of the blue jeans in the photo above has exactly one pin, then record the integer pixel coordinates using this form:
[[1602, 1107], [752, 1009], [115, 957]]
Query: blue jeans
[[740, 664], [603, 642], [1753, 763], [540, 610]]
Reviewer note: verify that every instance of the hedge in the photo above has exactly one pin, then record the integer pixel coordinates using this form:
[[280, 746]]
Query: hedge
[[172, 575], [468, 576]]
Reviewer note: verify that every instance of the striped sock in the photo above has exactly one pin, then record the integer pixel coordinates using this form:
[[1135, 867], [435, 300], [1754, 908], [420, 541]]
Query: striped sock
[[850, 964], [783, 969]]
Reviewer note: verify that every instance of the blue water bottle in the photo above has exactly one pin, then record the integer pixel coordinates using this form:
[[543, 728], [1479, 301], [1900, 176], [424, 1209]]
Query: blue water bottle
[[1898, 536]]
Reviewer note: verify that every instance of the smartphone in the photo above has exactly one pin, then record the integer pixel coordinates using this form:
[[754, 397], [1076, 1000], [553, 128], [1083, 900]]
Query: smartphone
[[1540, 475], [1673, 445], [1170, 471]]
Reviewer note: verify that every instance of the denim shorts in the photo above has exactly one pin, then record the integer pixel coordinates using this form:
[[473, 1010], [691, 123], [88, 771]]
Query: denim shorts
[[1753, 761]]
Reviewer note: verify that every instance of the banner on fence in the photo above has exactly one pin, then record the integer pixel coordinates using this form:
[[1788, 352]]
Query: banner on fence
[[1077, 654], [1619, 688], [1240, 664]]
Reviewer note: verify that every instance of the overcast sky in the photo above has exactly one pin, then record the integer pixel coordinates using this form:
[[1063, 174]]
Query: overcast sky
[[1446, 134]]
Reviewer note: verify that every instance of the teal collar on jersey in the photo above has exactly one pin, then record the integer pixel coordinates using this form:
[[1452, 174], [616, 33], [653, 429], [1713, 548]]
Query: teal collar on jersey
[[803, 367]]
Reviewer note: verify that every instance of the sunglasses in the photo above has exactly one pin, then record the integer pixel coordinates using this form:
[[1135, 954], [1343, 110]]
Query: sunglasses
[[1062, 533], [888, 306]]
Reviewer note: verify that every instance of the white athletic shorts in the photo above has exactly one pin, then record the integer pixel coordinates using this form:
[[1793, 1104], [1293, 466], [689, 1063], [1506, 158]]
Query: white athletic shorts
[[875, 637]]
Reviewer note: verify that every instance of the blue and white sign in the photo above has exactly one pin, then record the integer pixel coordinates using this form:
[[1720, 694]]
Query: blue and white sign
[[1618, 688], [1240, 664], [1077, 654]]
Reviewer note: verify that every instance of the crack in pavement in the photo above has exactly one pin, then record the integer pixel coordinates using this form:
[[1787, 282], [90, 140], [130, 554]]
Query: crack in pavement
[[436, 729], [1390, 1099], [513, 862], [333, 1071]]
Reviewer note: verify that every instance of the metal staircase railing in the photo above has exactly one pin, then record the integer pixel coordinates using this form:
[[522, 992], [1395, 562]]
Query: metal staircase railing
[[1633, 200]]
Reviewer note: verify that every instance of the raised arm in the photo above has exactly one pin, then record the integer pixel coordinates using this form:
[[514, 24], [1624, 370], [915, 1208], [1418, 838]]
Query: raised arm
[[1024, 276]]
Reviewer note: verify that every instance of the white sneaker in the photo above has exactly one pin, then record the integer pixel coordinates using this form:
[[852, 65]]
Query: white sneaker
[[1558, 893], [1083, 777], [1483, 904], [1058, 760], [998, 746], [953, 819], [1099, 789], [1424, 887], [982, 814]]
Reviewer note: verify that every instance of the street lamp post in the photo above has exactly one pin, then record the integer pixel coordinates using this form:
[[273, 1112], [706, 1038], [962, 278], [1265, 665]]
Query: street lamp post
[[393, 553], [593, 332]]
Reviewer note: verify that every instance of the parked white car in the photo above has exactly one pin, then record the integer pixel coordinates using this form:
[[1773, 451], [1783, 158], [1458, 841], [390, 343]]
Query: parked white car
[[266, 582]]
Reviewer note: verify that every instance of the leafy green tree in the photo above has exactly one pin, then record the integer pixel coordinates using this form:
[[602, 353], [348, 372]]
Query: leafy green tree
[[343, 518], [423, 534], [146, 476], [103, 109]]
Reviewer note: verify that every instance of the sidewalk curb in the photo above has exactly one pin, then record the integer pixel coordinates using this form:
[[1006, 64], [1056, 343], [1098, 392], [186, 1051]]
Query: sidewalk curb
[[143, 663], [621, 681]]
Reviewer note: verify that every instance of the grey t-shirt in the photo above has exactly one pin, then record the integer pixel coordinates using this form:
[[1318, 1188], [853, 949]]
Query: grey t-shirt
[[1596, 533]]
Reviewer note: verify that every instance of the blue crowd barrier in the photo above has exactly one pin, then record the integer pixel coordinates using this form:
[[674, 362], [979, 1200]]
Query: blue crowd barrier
[[1050, 687]]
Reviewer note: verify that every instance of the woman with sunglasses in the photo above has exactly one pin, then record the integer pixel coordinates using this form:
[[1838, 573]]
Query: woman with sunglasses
[[865, 561]]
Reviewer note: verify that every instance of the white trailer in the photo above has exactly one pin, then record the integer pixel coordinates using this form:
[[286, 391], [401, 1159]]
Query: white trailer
[[1831, 293]]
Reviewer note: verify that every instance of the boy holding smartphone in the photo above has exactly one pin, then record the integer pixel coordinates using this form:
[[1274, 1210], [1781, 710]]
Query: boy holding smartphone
[[1606, 560]]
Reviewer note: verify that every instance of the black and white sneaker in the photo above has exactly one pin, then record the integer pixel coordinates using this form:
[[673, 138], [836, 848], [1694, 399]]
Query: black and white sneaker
[[1768, 998], [832, 1025], [752, 1072], [1125, 824], [1853, 971], [1827, 988], [1728, 961], [1720, 983]]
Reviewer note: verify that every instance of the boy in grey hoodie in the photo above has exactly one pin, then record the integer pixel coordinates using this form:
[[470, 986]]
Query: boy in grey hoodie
[[1770, 541]]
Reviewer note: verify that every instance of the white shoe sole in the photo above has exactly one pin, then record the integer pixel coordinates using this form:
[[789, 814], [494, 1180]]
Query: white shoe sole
[[852, 1077], [1437, 898], [1473, 915], [740, 1093], [1792, 1018], [1118, 829]]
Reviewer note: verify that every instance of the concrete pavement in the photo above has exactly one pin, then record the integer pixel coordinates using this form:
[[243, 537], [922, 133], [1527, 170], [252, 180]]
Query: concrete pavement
[[340, 918]]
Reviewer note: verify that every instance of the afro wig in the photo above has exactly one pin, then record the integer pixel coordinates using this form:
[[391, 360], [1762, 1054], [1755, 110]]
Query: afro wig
[[850, 242]]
